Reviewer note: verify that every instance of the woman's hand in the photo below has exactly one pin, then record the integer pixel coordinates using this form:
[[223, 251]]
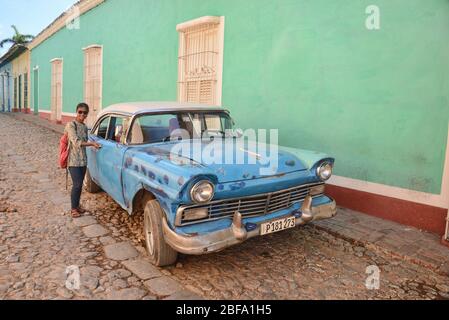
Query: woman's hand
[[96, 145], [92, 144]]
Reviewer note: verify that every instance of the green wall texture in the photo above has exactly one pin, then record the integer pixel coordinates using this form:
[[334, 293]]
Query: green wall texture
[[376, 100]]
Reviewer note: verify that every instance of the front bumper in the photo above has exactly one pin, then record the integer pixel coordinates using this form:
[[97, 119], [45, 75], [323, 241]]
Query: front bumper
[[237, 233]]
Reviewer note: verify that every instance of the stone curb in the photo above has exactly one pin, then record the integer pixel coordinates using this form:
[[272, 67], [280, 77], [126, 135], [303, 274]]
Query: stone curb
[[381, 249]]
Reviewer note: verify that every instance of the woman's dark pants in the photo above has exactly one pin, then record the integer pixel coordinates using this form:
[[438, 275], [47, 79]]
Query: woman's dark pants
[[77, 174]]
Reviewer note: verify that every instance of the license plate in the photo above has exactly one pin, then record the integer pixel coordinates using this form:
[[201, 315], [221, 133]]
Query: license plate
[[277, 225]]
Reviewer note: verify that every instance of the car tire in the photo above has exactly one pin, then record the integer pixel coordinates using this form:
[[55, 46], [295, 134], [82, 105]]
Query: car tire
[[90, 185], [160, 253]]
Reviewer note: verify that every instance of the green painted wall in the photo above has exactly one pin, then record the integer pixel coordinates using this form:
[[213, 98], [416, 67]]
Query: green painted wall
[[376, 100]]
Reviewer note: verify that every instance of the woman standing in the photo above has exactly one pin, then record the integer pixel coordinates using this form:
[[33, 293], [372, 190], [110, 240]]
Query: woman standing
[[77, 161]]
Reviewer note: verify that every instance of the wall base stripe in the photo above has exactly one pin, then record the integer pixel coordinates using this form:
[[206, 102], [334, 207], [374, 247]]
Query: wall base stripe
[[409, 213]]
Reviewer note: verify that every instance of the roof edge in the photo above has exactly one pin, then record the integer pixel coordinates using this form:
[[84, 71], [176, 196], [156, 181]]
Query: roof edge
[[12, 53]]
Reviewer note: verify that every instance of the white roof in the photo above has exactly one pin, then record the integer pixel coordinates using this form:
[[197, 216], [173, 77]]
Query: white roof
[[132, 108]]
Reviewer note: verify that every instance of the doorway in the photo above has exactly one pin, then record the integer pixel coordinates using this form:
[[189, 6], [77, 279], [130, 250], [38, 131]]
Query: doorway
[[20, 93], [36, 90]]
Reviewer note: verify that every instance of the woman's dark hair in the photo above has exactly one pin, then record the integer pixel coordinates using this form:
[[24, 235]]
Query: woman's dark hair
[[82, 105]]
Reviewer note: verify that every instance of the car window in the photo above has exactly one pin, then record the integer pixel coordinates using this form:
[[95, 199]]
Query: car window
[[152, 128], [118, 126], [102, 128], [158, 120], [135, 136], [213, 122]]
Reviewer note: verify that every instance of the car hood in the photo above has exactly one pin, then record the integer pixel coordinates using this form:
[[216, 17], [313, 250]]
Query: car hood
[[209, 158]]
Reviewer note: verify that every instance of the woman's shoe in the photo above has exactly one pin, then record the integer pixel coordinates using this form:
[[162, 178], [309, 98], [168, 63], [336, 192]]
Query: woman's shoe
[[81, 210], [75, 213]]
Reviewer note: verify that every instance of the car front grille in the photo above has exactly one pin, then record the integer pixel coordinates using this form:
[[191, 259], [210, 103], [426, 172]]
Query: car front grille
[[251, 206]]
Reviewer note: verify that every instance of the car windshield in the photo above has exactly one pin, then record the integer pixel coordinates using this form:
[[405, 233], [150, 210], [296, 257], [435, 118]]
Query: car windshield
[[152, 128]]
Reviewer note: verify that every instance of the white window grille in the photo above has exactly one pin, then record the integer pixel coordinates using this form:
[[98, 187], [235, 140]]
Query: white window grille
[[200, 60], [93, 80]]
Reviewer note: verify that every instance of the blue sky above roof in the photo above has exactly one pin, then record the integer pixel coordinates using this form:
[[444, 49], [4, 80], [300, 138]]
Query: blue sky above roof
[[30, 16]]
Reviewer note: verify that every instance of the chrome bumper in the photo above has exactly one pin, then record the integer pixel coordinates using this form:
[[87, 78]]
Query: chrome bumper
[[219, 240]]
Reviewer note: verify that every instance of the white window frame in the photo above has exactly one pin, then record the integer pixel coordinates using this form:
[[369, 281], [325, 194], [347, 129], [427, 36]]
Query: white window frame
[[93, 112], [58, 115], [182, 28]]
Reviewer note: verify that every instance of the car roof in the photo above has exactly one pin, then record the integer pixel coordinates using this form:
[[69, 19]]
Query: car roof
[[132, 108]]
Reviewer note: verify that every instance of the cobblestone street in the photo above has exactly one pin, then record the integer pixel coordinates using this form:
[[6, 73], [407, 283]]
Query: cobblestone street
[[38, 241]]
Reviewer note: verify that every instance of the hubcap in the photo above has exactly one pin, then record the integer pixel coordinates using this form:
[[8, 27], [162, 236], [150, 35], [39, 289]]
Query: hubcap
[[148, 234]]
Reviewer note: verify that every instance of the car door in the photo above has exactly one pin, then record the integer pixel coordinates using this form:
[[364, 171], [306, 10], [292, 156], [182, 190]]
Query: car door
[[98, 134], [110, 158]]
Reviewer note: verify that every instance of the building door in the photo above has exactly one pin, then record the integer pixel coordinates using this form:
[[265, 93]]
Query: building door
[[36, 91], [15, 95], [26, 101], [56, 90], [19, 98], [93, 74]]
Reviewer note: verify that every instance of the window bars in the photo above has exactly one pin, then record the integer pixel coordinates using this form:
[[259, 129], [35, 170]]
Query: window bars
[[198, 63]]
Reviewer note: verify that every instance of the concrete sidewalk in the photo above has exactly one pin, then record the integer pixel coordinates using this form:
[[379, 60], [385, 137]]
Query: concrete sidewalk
[[384, 236]]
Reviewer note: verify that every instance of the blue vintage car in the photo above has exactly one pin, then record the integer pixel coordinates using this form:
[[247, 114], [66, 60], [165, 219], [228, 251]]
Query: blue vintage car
[[190, 205]]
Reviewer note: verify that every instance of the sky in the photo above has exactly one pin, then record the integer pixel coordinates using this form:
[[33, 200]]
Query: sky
[[29, 16]]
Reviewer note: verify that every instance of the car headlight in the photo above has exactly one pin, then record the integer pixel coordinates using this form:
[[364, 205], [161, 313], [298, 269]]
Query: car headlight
[[324, 171], [202, 192]]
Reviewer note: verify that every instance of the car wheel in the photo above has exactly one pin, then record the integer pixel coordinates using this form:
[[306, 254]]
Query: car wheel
[[161, 254], [90, 185]]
